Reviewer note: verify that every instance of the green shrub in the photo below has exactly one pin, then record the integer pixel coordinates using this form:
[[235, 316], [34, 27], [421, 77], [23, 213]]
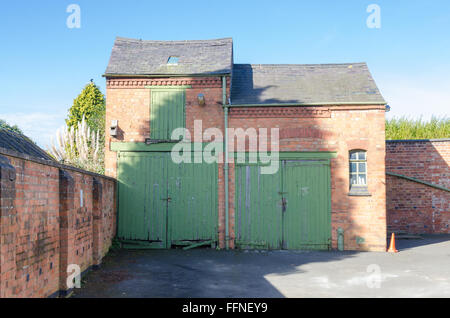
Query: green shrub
[[406, 128]]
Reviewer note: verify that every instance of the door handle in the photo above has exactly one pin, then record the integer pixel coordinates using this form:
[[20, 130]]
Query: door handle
[[168, 199]]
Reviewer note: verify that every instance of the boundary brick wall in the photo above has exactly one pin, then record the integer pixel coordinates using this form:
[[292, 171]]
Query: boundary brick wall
[[412, 207], [51, 216]]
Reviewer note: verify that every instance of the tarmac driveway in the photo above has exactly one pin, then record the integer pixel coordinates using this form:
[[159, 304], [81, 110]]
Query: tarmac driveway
[[420, 269]]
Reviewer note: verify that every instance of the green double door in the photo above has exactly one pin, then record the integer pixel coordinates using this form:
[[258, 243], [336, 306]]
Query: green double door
[[164, 203], [290, 209]]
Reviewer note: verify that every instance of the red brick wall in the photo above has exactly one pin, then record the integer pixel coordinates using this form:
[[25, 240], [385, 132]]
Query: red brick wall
[[129, 102], [43, 228], [335, 128], [412, 207], [104, 220]]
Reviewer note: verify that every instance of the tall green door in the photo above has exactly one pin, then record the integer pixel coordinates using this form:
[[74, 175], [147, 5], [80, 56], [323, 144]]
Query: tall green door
[[143, 193], [193, 206], [163, 203], [307, 217], [258, 208], [290, 209]]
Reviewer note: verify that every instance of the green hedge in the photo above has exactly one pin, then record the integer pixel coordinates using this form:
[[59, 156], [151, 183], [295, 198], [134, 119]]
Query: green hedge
[[405, 128]]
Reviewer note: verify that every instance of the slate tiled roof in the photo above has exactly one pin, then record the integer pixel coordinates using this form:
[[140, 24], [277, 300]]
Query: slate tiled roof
[[251, 84], [141, 57], [19, 143], [319, 83]]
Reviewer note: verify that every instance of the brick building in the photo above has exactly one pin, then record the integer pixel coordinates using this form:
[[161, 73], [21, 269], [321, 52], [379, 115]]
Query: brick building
[[330, 173]]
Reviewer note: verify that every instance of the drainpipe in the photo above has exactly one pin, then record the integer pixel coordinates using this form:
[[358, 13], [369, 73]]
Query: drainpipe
[[225, 164]]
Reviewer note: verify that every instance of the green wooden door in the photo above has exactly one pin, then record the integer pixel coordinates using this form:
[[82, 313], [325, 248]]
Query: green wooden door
[[165, 203], [193, 203], [258, 208], [306, 216], [166, 112], [290, 209], [143, 190]]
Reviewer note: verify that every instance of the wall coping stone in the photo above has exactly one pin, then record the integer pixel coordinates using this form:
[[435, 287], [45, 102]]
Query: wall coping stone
[[55, 164], [419, 140]]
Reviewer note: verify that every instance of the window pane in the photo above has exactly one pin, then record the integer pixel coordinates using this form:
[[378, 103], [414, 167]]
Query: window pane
[[172, 60], [353, 155], [362, 167], [352, 167], [361, 155], [353, 179], [362, 179]]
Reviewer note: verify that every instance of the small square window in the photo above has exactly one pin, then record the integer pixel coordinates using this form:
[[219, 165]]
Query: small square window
[[173, 60]]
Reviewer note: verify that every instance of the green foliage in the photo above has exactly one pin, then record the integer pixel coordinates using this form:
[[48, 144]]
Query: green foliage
[[405, 128], [5, 125], [90, 104]]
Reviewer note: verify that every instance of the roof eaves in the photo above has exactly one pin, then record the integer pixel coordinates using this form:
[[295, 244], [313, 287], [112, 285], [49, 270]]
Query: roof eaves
[[167, 75], [305, 65], [309, 104]]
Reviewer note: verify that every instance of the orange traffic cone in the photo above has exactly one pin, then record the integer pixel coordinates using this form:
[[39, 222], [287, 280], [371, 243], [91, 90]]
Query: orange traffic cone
[[392, 248]]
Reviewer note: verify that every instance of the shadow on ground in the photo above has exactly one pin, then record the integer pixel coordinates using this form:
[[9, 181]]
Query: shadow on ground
[[195, 273], [426, 239], [420, 269]]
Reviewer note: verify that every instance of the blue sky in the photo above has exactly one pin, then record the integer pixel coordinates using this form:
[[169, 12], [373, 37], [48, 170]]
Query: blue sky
[[45, 64]]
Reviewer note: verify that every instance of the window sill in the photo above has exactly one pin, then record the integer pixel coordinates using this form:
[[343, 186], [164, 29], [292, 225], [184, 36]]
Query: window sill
[[359, 192]]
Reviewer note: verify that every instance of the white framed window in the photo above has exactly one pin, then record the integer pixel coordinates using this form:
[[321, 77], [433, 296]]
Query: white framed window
[[358, 169]]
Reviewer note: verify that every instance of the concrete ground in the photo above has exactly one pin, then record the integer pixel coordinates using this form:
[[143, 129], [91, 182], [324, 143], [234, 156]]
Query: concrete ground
[[420, 269]]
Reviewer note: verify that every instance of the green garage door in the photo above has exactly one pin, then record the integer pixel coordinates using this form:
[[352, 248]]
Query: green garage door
[[287, 210], [164, 203]]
